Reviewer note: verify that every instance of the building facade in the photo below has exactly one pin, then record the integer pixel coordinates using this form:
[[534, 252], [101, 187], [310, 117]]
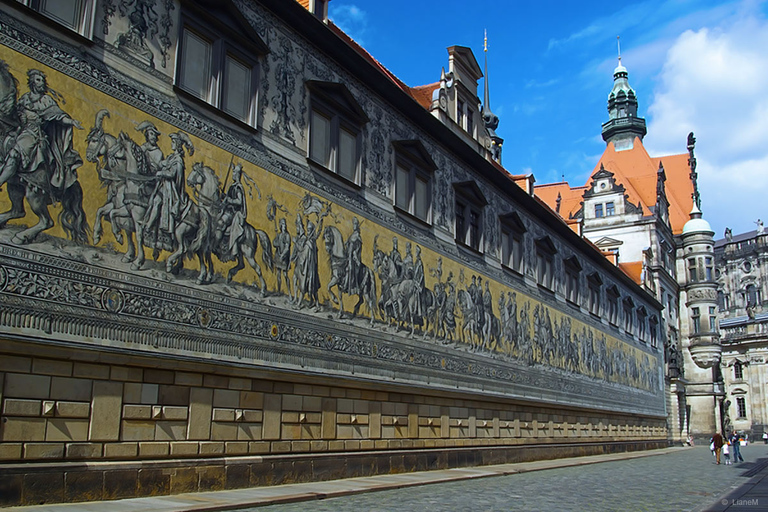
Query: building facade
[[741, 278], [235, 250], [639, 210]]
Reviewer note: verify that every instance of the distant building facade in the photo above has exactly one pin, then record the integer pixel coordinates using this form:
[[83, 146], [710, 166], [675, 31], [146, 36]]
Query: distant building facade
[[231, 242], [742, 281]]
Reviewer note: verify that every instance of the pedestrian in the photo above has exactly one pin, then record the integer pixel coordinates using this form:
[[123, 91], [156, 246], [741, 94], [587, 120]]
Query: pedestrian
[[717, 442], [735, 442], [765, 437], [727, 452]]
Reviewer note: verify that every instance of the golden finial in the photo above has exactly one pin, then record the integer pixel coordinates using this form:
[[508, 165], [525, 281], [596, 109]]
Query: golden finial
[[485, 40]]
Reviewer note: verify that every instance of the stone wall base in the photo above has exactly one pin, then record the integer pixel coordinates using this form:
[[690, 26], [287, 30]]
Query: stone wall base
[[33, 484]]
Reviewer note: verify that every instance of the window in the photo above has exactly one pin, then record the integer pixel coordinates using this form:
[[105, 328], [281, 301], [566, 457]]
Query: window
[[628, 320], [545, 258], [741, 405], [712, 320], [512, 237], [609, 209], [413, 179], [708, 269], [469, 215], [653, 331], [692, 277], [76, 15], [753, 296], [598, 210], [613, 305], [641, 318], [216, 62], [738, 371], [721, 300], [460, 113], [335, 125], [696, 320], [572, 271], [594, 282], [671, 306], [471, 122]]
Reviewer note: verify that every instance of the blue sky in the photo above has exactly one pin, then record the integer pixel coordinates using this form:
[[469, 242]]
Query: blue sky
[[696, 66]]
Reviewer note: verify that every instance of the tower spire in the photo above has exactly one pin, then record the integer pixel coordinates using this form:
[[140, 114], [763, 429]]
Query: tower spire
[[623, 124], [490, 119]]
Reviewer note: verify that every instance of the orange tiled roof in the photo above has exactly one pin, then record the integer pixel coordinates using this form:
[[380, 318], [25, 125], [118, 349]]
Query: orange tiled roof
[[423, 94], [304, 4], [636, 170], [570, 198], [634, 269]]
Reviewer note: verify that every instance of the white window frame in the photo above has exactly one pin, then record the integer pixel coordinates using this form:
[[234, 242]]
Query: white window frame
[[338, 123], [86, 15], [468, 200], [221, 48], [411, 157]]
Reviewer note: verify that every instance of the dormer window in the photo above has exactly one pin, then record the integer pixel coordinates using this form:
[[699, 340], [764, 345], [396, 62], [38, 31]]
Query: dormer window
[[598, 210], [335, 126], [217, 61], [320, 9], [470, 203], [609, 209]]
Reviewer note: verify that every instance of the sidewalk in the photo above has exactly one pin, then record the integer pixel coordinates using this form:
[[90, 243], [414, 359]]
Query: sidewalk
[[262, 496], [747, 497]]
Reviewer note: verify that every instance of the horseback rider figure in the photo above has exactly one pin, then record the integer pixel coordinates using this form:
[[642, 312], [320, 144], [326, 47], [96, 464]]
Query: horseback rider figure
[[232, 215]]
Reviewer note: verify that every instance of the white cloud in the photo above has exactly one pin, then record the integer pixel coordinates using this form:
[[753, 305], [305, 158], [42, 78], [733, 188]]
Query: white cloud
[[713, 83], [351, 19]]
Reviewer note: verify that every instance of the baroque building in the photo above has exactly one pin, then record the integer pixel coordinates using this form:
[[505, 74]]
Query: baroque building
[[740, 272], [235, 250], [643, 213]]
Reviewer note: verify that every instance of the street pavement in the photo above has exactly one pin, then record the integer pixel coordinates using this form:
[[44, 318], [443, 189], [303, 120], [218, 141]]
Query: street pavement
[[683, 480], [673, 479]]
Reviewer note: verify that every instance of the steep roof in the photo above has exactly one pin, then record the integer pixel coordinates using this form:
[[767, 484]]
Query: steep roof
[[634, 269], [570, 198], [423, 94], [637, 171]]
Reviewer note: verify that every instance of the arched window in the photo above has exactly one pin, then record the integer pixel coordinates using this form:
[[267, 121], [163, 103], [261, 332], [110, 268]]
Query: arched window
[[752, 295]]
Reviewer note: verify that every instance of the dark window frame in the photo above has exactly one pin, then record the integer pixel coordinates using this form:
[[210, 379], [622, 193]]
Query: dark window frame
[[469, 203]]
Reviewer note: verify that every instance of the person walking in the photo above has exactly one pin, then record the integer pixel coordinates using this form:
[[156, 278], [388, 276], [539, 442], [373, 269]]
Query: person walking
[[727, 452], [735, 442], [717, 441]]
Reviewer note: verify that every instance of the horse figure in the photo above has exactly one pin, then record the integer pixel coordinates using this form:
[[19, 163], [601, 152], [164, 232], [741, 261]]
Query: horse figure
[[398, 302], [124, 168], [366, 291], [200, 219], [72, 216]]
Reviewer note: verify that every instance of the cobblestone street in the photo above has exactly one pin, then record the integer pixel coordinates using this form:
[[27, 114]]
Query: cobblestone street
[[680, 481]]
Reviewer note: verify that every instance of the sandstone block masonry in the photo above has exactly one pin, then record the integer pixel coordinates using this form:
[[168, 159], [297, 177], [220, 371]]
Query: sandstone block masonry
[[156, 426]]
